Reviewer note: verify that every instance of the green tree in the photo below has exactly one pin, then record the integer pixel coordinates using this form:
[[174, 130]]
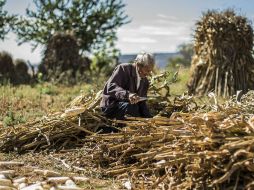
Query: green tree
[[92, 21], [6, 20], [185, 55]]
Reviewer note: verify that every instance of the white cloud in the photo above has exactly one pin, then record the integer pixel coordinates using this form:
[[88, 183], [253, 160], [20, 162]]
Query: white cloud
[[154, 37], [166, 17], [138, 40], [155, 30], [168, 20]]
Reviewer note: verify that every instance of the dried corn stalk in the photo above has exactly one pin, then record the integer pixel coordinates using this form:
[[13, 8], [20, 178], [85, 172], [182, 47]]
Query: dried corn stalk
[[212, 150], [60, 130], [223, 61]]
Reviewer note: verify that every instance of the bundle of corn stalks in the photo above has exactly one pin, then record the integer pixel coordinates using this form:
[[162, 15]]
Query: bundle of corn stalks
[[7, 70], [62, 60], [245, 103], [67, 129], [211, 150], [223, 60], [21, 72], [13, 71], [57, 131], [62, 52]]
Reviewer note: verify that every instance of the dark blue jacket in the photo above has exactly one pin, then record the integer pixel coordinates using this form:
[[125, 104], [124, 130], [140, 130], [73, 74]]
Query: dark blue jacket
[[122, 82]]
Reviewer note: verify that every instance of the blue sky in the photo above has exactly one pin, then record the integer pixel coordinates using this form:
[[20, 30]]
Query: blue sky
[[157, 25]]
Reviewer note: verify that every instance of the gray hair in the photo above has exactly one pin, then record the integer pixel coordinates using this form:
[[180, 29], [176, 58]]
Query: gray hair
[[145, 59]]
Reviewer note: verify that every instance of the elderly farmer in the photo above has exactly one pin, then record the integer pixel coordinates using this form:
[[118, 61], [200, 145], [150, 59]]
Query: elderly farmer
[[125, 91]]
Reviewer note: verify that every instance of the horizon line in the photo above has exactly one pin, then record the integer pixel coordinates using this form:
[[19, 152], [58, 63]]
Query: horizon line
[[149, 52]]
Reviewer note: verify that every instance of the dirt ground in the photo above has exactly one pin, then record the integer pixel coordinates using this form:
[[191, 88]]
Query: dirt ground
[[41, 167]]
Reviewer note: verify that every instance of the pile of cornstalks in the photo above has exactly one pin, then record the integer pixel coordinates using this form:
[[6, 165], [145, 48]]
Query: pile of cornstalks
[[66, 129], [213, 150], [57, 131], [223, 60]]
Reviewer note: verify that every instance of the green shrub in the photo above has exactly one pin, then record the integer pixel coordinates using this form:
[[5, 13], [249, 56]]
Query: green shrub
[[12, 119]]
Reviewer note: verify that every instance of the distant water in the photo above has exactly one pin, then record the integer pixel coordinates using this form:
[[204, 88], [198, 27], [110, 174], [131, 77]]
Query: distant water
[[161, 59]]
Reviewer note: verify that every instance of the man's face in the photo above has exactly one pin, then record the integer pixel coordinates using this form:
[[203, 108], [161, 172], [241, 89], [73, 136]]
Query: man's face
[[145, 71]]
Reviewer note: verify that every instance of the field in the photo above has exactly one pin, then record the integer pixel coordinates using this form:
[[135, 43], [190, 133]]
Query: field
[[20, 104], [23, 104], [48, 140], [54, 136]]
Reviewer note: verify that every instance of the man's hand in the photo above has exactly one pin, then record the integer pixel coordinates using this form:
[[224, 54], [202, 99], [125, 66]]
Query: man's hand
[[133, 98]]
